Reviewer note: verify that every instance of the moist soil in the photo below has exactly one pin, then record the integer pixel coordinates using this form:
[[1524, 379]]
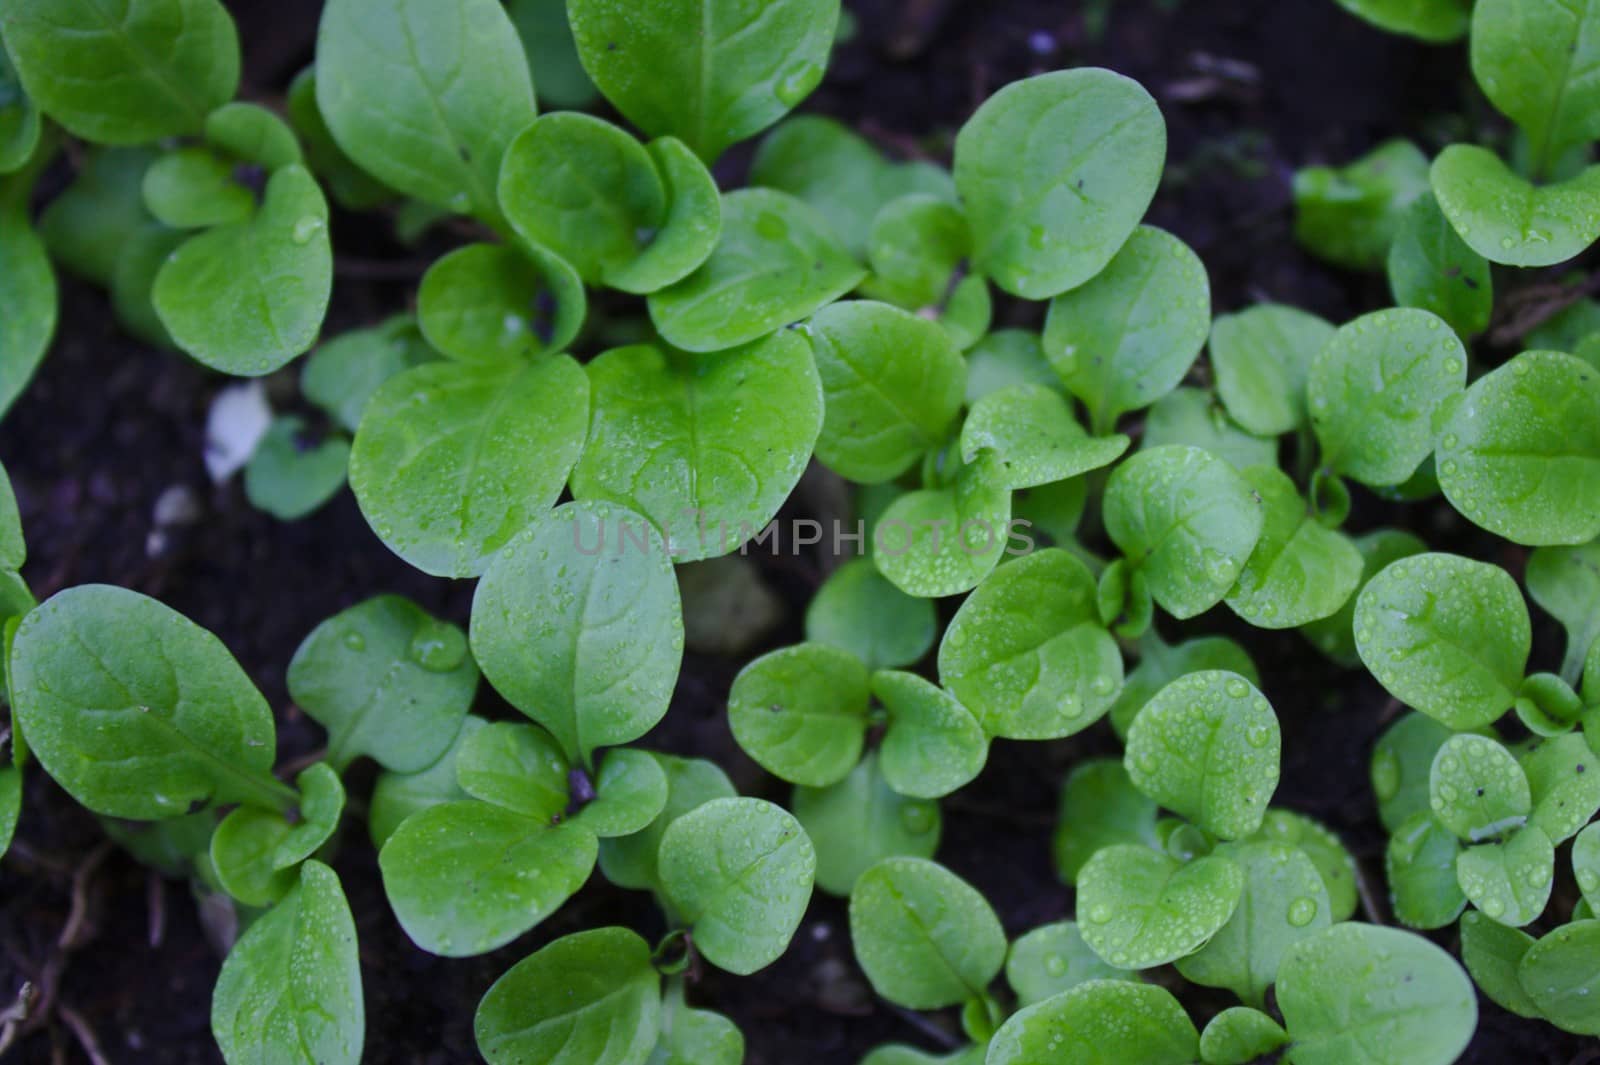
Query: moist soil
[[1251, 90]]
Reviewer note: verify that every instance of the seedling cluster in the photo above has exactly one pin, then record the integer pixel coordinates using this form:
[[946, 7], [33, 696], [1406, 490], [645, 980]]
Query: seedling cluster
[[620, 340]]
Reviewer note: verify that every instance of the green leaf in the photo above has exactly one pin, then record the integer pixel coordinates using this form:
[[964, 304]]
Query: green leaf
[[1566, 794], [1055, 172], [396, 796], [631, 861], [1127, 337], [1160, 664], [1476, 788], [696, 1037], [552, 53], [133, 283], [517, 766], [193, 188], [1262, 356], [1402, 765], [1435, 21], [1420, 866], [1300, 570], [943, 541], [1334, 635], [453, 460], [708, 72], [740, 872], [1207, 747], [1139, 908], [860, 821], [137, 711], [775, 263], [520, 871], [1026, 652], [248, 297], [1493, 953], [348, 184], [342, 374], [493, 302], [1432, 268], [1240, 1035], [1099, 808], [87, 225], [1186, 521], [801, 712], [689, 230], [1192, 417], [151, 69], [925, 937], [288, 477], [28, 300], [253, 134], [893, 386], [1358, 994], [728, 437], [832, 168], [1374, 391], [1446, 635], [1004, 358], [19, 119], [1326, 851], [857, 609], [425, 96], [13, 547], [1586, 863], [577, 623], [1565, 582], [1535, 60], [1051, 959], [916, 247], [1561, 974], [1510, 881], [290, 989], [1349, 215], [256, 853], [593, 996], [1098, 1023], [1284, 901], [1520, 454], [583, 188], [1508, 219], [1033, 435], [630, 792], [933, 744]]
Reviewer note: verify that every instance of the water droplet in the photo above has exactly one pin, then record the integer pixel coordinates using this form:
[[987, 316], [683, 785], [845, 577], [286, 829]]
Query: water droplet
[[1302, 911], [1238, 688], [355, 641], [305, 229], [438, 647], [1055, 965], [917, 818], [1386, 774]]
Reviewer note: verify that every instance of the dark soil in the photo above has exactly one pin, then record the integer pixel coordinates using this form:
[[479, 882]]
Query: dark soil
[[1251, 90]]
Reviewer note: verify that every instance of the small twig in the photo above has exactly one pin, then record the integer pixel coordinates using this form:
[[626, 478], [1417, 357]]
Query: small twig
[[1532, 307], [1369, 902], [83, 1034], [156, 908], [13, 1015], [74, 932], [925, 1026]]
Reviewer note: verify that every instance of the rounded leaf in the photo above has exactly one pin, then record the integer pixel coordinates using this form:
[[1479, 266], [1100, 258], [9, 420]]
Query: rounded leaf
[[1375, 388], [1262, 357], [1207, 747], [1186, 520], [857, 609], [1139, 908], [592, 997], [387, 680], [1509, 882], [1446, 635], [1431, 267], [1561, 974], [943, 541], [1420, 866], [630, 792], [577, 623], [933, 744], [1358, 994], [925, 937], [1520, 454], [453, 460], [801, 712], [1055, 172], [860, 821], [1300, 570], [740, 873], [688, 231], [1051, 959], [1476, 788], [1126, 338], [728, 437], [1493, 953], [1034, 437], [631, 861], [493, 302], [1508, 219], [1099, 1021], [1026, 652]]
